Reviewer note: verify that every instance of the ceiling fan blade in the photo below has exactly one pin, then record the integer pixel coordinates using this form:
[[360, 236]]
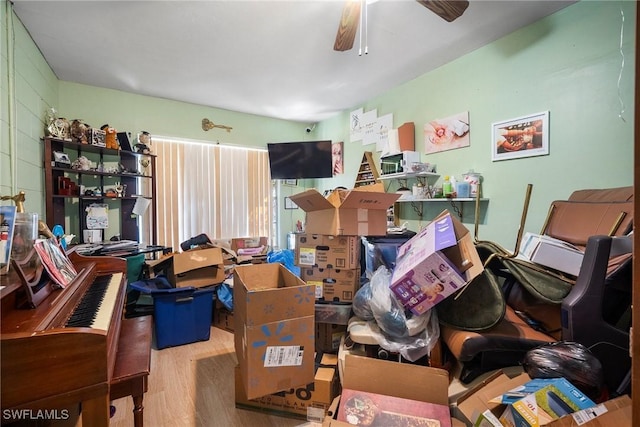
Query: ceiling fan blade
[[348, 26], [449, 10]]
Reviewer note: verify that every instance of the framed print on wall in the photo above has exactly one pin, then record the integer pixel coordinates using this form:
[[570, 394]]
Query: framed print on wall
[[525, 136]]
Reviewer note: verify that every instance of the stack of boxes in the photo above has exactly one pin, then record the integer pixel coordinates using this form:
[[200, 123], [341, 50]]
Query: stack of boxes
[[328, 254]]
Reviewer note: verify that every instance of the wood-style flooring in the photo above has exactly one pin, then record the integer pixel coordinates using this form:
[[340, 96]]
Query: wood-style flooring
[[192, 385]]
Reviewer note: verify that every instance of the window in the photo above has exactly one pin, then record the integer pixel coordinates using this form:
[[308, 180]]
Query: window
[[222, 191]]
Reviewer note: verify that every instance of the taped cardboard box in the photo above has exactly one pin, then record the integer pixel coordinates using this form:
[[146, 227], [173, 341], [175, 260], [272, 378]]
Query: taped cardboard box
[[357, 212], [273, 311], [196, 267], [402, 380], [309, 402], [332, 284], [434, 264], [325, 251]]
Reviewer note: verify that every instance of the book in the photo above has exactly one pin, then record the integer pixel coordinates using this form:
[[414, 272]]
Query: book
[[55, 261], [7, 227], [376, 410]]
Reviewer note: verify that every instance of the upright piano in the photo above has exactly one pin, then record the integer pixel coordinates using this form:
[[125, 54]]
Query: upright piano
[[59, 349]]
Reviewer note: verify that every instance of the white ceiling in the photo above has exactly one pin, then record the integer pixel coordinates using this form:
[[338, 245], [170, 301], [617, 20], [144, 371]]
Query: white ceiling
[[271, 58]]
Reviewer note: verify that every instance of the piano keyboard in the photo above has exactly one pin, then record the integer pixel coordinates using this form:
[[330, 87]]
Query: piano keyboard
[[97, 304]]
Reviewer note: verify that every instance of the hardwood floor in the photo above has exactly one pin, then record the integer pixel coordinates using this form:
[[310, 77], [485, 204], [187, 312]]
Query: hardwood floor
[[193, 386]]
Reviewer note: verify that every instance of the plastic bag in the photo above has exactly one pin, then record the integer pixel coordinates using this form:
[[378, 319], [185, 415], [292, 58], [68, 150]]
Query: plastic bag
[[362, 302], [284, 257], [570, 360], [411, 336], [225, 295]]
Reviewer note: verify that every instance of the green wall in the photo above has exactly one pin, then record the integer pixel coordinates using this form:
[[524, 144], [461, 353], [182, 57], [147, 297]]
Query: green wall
[[567, 64], [28, 88]]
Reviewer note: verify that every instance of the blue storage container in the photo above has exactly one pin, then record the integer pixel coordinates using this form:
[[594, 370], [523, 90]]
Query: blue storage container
[[181, 315]]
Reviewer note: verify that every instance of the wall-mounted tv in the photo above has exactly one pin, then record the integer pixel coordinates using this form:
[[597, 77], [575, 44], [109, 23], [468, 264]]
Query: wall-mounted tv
[[300, 160]]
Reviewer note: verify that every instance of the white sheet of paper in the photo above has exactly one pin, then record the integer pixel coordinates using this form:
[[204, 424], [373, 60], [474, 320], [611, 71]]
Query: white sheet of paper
[[141, 205]]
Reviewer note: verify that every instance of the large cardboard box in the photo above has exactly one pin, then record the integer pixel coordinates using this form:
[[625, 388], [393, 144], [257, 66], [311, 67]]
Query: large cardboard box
[[195, 267], [357, 212], [274, 328], [435, 263], [550, 252], [332, 284], [325, 251], [310, 401], [402, 380]]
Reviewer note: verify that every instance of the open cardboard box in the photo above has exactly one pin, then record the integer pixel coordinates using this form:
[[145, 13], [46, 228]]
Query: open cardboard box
[[434, 264], [477, 400], [357, 212], [195, 267], [403, 380], [273, 312]]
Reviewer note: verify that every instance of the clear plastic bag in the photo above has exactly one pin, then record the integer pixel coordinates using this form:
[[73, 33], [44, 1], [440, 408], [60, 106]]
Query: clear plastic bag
[[400, 332]]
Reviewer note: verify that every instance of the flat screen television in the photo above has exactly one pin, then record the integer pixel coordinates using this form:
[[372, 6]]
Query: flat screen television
[[300, 160]]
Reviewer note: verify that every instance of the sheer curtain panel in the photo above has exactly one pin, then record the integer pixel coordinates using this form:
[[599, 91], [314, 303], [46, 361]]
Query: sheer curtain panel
[[222, 191]]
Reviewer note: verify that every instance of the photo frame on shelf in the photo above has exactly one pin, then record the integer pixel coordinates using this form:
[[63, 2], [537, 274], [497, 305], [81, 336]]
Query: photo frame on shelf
[[288, 204], [525, 136]]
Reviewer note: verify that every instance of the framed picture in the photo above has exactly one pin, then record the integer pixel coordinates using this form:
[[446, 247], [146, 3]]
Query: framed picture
[[288, 204], [292, 182], [525, 136]]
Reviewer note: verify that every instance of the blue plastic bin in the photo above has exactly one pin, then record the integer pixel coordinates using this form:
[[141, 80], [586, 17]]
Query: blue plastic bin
[[181, 315]]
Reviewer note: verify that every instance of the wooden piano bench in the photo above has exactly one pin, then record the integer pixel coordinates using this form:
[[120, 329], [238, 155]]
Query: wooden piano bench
[[133, 363]]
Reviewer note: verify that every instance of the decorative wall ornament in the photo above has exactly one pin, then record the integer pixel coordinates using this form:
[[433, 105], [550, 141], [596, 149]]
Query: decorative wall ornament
[[447, 134], [208, 125]]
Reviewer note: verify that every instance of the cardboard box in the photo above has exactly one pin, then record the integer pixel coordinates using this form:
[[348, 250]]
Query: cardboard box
[[196, 267], [324, 251], [328, 337], [274, 328], [553, 398], [552, 253], [614, 412], [402, 380], [332, 284], [222, 317], [477, 400], [435, 263], [362, 408], [309, 402], [244, 245], [358, 212]]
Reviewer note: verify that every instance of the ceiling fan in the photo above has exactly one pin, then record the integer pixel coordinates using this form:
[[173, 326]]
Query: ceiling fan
[[449, 10]]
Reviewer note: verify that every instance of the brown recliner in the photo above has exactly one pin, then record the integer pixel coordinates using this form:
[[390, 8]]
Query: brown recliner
[[530, 321]]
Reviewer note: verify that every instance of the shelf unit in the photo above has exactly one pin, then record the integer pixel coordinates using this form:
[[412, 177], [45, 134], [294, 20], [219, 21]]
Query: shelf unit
[[428, 179], [367, 173], [68, 208]]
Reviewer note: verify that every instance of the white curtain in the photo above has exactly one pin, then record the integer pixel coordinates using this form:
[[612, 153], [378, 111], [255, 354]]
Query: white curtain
[[222, 191]]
